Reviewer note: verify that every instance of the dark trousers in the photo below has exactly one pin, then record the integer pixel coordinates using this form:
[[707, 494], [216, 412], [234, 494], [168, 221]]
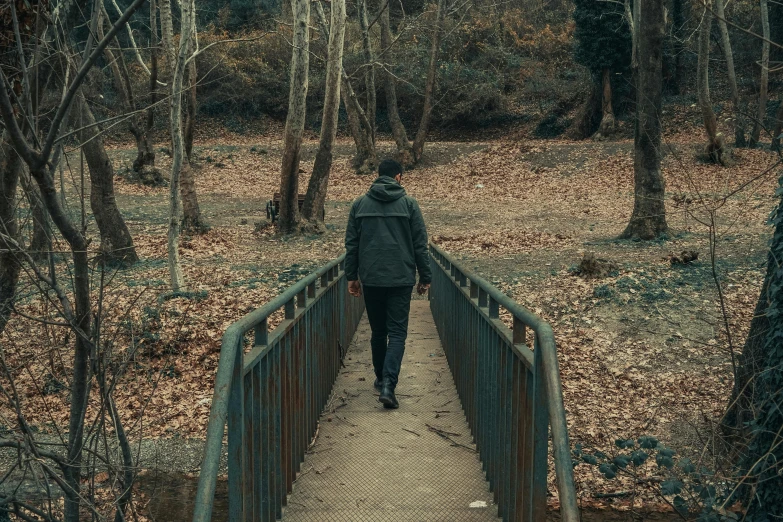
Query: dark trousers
[[388, 310]]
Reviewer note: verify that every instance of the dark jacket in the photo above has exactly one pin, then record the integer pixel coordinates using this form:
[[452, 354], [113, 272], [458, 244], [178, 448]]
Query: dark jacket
[[386, 240]]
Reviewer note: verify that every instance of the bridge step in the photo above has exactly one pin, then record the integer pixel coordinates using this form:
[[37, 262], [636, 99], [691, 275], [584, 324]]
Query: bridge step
[[417, 463]]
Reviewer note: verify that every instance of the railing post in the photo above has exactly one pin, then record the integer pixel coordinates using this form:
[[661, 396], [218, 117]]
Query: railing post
[[474, 290], [540, 435], [482, 298], [519, 331], [290, 309], [494, 309], [235, 433], [301, 299], [261, 334], [311, 290]]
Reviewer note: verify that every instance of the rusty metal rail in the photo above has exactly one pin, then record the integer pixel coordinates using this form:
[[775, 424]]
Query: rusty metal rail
[[272, 396], [511, 393]]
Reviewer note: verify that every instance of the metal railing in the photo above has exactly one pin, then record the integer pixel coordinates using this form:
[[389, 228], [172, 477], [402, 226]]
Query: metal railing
[[271, 398], [510, 393]]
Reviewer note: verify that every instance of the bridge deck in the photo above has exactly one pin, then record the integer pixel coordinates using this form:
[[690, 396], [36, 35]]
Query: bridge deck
[[417, 463]]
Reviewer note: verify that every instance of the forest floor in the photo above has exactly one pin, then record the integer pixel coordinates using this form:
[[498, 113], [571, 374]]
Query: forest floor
[[642, 351]]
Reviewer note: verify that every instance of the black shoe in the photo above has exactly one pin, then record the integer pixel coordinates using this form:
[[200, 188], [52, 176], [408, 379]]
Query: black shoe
[[378, 385], [387, 396]]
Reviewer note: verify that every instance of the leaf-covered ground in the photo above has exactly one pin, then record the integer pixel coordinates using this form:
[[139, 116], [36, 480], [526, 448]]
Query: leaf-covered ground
[[642, 351]]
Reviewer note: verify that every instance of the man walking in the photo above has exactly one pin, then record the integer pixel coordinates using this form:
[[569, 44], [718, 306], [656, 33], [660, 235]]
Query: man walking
[[386, 243]]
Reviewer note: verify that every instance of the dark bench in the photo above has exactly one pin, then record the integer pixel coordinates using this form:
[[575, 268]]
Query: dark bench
[[273, 207]]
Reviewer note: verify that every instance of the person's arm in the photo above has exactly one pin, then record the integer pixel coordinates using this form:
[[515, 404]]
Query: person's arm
[[420, 245], [352, 247]]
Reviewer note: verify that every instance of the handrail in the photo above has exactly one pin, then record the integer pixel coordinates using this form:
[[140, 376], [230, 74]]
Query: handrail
[[485, 300], [227, 400]]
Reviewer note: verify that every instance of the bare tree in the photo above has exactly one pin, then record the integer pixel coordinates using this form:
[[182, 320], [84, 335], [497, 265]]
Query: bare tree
[[369, 67], [716, 143], [192, 221], [764, 83], [41, 166], [116, 240], [648, 220], [404, 148], [294, 125], [429, 86], [739, 119], [10, 170], [142, 122], [313, 207], [607, 126], [178, 157]]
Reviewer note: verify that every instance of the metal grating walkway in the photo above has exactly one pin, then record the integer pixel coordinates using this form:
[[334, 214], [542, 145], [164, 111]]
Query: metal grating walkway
[[417, 463]]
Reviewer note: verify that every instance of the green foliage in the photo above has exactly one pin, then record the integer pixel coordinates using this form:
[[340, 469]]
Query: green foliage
[[764, 461], [602, 38]]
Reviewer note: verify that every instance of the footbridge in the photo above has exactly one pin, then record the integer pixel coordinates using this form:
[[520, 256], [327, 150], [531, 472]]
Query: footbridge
[[481, 410]]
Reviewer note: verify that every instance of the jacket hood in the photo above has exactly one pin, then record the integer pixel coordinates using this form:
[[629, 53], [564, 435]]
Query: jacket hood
[[386, 189]]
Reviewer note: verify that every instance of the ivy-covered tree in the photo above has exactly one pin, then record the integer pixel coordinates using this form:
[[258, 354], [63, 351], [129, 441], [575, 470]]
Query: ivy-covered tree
[[763, 465], [602, 41]]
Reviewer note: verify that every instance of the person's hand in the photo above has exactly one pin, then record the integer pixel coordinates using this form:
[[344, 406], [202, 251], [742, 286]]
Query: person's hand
[[422, 288], [355, 288]]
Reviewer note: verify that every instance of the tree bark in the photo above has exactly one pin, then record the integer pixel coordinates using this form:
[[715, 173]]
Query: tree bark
[[41, 240], [192, 107], [739, 119], [294, 125], [178, 158], [764, 84], [369, 71], [404, 148], [678, 20], [648, 220], [116, 240], [167, 36], [429, 86], [716, 143], [366, 158], [607, 126], [778, 127], [10, 169], [313, 207], [751, 360]]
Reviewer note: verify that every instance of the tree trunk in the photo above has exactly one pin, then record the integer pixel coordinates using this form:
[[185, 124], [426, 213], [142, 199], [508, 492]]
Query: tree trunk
[[404, 148], [607, 126], [313, 207], [739, 119], [193, 222], [648, 220], [369, 71], [716, 143], [751, 359], [764, 85], [167, 36], [178, 159], [116, 240], [144, 145], [429, 86], [358, 124], [778, 127], [192, 107], [10, 169], [294, 125], [761, 402], [41, 240], [678, 21]]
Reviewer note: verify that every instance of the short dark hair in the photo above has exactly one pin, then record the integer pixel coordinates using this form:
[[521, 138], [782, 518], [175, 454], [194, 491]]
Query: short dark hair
[[390, 168]]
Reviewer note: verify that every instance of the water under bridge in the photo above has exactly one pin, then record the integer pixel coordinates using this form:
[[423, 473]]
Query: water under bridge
[[480, 410]]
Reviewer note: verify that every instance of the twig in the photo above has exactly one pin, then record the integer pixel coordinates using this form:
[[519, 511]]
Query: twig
[[411, 431]]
